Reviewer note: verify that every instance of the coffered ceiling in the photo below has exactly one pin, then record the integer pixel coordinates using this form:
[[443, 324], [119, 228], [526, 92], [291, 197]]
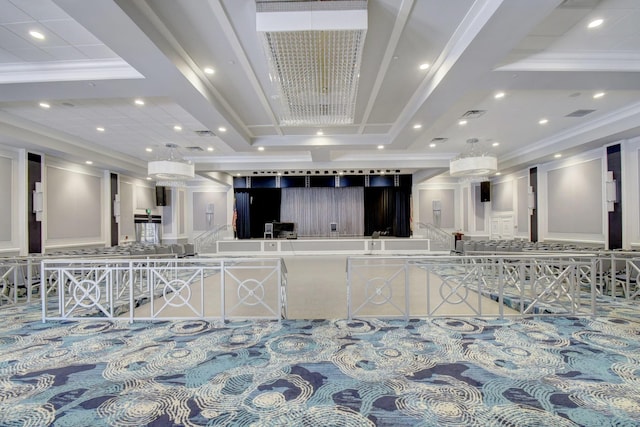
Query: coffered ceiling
[[96, 58]]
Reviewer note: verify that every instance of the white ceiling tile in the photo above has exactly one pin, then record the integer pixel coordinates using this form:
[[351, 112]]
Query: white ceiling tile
[[631, 43], [40, 9], [32, 55], [64, 53], [8, 57], [70, 31], [97, 51], [622, 4], [10, 41], [9, 13], [22, 29]]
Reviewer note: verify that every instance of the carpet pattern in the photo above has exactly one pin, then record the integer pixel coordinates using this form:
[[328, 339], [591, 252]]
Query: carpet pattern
[[440, 372]]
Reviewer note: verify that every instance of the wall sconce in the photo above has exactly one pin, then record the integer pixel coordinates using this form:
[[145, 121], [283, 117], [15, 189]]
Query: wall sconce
[[38, 201], [116, 208], [209, 214], [611, 192], [531, 200], [436, 205]]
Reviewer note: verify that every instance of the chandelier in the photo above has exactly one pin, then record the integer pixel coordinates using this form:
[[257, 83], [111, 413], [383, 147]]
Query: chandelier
[[314, 51], [473, 164], [172, 171]]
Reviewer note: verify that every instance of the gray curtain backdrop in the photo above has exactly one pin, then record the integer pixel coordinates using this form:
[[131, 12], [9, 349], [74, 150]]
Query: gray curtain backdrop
[[313, 209]]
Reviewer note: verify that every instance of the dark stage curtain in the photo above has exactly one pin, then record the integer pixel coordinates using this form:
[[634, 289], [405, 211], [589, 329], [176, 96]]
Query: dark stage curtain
[[260, 205], [387, 210], [379, 210], [243, 220], [402, 223]]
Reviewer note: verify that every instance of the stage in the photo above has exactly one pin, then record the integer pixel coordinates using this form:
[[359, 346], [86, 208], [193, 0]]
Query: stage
[[326, 246]]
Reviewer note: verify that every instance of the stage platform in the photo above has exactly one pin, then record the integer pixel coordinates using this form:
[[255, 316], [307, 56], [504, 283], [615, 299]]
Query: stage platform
[[327, 246]]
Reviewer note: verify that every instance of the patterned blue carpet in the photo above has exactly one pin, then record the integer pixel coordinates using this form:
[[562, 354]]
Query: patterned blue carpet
[[439, 372]]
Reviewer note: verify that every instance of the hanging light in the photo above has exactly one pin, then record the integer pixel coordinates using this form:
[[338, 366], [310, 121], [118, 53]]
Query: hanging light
[[473, 164], [172, 171], [314, 51]]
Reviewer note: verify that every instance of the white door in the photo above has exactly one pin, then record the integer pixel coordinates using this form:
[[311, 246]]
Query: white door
[[502, 227]]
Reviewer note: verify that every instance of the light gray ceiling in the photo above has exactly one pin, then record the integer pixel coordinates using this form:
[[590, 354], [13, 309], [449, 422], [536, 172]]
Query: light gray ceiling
[[99, 56]]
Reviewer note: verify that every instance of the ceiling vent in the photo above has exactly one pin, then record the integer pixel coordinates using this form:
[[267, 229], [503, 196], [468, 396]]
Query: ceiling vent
[[473, 114], [580, 113], [439, 140], [314, 50], [194, 148], [204, 133]]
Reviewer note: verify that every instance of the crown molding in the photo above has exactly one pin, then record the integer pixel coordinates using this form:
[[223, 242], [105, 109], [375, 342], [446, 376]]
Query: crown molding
[[58, 71]]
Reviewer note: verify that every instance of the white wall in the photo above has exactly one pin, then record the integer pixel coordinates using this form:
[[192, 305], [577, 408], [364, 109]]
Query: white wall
[[630, 151], [571, 205], [136, 195], [73, 205], [10, 189], [571, 201], [445, 190]]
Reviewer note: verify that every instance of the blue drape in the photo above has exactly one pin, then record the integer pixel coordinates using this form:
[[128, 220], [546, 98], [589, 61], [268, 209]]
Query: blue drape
[[243, 222]]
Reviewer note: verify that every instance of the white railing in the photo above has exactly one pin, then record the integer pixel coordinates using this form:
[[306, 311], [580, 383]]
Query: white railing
[[440, 239], [19, 279], [144, 289], [495, 286], [206, 242]]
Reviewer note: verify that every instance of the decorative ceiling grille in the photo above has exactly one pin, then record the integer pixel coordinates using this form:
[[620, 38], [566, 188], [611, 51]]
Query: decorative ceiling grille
[[314, 57]]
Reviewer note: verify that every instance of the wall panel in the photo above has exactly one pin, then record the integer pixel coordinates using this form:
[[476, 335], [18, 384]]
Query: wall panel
[[73, 204], [502, 196], [446, 198], [6, 205], [201, 199], [145, 197], [574, 197], [126, 211], [522, 185], [478, 209]]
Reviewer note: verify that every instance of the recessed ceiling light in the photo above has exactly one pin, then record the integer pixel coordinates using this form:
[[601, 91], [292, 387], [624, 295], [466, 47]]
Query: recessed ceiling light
[[279, 173], [89, 162], [260, 148], [495, 144], [462, 122], [45, 105], [595, 23], [148, 149], [209, 70], [432, 145], [598, 95], [139, 102], [319, 133], [417, 126], [148, 178], [36, 34], [499, 95], [423, 66], [238, 174], [543, 121], [380, 147], [100, 129], [557, 156], [222, 129], [498, 173], [177, 128], [209, 148]]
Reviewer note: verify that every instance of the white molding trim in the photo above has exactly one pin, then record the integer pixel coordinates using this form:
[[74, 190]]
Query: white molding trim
[[619, 61], [64, 71]]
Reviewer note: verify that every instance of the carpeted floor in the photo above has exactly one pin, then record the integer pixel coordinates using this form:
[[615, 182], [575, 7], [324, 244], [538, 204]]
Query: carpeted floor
[[438, 372]]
